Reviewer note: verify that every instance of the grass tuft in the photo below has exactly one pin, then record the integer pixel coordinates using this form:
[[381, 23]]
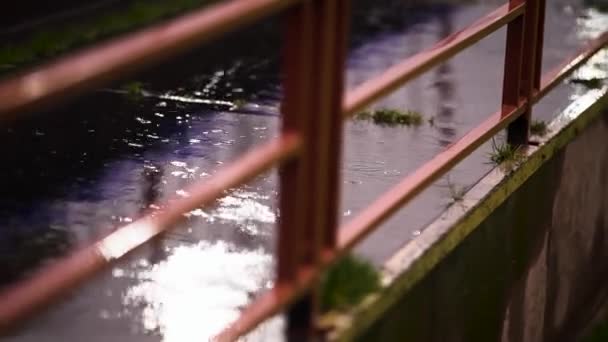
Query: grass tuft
[[538, 128], [505, 154], [391, 117], [456, 192], [346, 283]]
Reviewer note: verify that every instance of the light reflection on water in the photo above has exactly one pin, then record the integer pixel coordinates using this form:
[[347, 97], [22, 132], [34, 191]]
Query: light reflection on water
[[591, 24], [197, 289]]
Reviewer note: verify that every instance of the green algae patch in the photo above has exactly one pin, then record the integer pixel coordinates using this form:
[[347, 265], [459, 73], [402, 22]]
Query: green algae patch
[[134, 90], [591, 83], [391, 117]]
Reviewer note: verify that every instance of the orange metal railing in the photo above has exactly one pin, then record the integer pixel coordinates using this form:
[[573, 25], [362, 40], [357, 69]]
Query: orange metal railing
[[307, 150]]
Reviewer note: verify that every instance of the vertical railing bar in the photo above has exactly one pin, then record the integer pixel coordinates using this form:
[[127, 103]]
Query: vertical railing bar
[[294, 242], [295, 106], [518, 130], [318, 124], [315, 177], [528, 73], [327, 123], [513, 61], [540, 39], [300, 317], [342, 28]]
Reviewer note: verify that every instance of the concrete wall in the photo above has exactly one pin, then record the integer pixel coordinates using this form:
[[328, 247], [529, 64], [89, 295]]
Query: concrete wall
[[526, 260]]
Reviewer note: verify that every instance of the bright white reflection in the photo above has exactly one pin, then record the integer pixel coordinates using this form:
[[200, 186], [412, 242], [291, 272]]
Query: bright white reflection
[[243, 208], [580, 105], [199, 289], [592, 24]]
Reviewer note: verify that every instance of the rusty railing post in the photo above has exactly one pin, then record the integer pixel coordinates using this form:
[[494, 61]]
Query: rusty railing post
[[315, 45], [523, 57]]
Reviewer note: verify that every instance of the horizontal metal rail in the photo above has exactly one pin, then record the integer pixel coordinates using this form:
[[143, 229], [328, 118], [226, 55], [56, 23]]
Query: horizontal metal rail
[[98, 65], [24, 298]]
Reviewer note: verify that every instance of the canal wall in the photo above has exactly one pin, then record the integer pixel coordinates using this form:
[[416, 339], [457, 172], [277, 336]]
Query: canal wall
[[522, 258]]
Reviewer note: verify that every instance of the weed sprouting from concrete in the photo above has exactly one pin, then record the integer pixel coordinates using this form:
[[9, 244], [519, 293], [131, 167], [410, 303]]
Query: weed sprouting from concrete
[[346, 283], [506, 154], [456, 192], [538, 128], [391, 117]]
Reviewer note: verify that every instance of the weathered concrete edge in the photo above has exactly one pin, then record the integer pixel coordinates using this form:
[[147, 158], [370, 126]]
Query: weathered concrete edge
[[418, 257]]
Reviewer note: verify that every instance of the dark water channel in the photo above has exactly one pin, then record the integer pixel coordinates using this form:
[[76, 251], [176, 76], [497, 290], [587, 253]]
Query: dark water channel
[[71, 175]]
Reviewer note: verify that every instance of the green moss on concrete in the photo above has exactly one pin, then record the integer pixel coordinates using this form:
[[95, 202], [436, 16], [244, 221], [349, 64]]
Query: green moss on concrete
[[51, 42], [347, 282]]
